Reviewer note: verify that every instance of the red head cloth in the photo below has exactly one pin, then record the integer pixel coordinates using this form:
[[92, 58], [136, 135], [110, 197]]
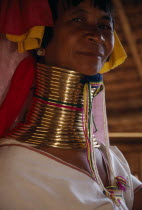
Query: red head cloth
[[24, 14]]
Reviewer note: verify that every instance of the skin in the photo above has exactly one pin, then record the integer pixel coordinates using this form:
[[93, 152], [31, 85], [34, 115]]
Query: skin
[[83, 39]]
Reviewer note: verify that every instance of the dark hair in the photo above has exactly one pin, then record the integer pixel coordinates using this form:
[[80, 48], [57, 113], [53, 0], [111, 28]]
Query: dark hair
[[105, 5]]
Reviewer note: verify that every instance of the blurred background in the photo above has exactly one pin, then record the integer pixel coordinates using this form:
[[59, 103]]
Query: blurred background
[[124, 86]]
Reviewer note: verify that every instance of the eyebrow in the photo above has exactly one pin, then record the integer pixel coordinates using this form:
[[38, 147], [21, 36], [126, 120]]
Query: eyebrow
[[106, 17], [80, 10]]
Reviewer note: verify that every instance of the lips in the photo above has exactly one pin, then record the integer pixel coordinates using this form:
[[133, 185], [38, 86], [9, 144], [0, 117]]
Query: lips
[[90, 54]]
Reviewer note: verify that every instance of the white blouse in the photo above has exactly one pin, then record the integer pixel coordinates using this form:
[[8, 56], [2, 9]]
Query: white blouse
[[33, 179]]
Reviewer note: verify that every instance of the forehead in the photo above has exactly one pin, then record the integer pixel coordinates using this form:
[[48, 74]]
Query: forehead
[[84, 6], [104, 5]]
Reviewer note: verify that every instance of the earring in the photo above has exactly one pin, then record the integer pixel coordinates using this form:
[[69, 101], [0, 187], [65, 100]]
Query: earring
[[41, 52]]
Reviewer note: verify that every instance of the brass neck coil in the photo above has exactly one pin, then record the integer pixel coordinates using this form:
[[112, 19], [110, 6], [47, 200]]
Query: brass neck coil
[[55, 117]]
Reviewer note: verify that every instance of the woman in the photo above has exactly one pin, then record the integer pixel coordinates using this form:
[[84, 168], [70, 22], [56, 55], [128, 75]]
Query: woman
[[52, 153]]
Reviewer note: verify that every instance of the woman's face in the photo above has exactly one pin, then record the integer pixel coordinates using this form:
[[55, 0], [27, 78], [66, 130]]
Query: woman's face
[[83, 39]]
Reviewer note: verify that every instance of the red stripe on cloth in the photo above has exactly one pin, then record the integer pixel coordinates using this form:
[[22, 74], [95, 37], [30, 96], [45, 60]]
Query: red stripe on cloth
[[18, 16], [21, 83]]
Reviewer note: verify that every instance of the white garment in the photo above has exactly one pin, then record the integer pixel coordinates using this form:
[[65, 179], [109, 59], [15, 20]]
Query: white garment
[[31, 179]]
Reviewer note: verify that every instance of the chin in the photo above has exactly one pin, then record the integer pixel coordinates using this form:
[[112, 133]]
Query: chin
[[89, 70], [87, 66]]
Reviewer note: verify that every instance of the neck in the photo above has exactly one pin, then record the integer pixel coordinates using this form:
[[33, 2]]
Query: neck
[[55, 118]]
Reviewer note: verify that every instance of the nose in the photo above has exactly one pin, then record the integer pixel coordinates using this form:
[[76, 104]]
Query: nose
[[94, 35], [95, 38]]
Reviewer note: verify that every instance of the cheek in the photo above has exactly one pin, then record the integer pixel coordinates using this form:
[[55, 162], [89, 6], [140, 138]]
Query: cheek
[[66, 45], [110, 44], [67, 39]]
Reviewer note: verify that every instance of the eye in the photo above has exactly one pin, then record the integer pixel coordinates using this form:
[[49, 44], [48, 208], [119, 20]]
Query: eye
[[105, 27], [78, 20]]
